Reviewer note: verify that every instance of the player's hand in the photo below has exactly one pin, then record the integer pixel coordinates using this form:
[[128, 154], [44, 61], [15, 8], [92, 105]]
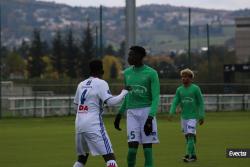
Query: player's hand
[[201, 121], [148, 127], [117, 122], [128, 88]]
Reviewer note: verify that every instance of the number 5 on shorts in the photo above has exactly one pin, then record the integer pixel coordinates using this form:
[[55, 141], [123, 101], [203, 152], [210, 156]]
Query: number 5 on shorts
[[132, 135]]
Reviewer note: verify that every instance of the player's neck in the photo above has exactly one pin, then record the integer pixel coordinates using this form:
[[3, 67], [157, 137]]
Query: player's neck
[[139, 65], [96, 76], [186, 85]]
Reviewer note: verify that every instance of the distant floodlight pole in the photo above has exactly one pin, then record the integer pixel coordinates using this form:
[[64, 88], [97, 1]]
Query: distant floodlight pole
[[208, 48], [101, 37], [96, 41], [130, 26], [189, 37], [0, 61]]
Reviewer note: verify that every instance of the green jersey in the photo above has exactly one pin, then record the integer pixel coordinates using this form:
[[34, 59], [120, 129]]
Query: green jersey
[[191, 102], [145, 89]]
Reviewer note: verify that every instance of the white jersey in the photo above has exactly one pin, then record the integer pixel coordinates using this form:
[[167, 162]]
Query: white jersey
[[89, 98]]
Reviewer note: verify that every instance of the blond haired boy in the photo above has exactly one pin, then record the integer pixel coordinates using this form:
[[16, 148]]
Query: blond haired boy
[[189, 97]]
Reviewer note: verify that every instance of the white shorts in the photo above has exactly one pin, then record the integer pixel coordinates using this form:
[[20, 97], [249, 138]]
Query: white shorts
[[136, 119], [97, 143], [188, 126]]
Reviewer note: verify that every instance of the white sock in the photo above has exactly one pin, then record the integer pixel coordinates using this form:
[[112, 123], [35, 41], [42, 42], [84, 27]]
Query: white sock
[[112, 163], [78, 164]]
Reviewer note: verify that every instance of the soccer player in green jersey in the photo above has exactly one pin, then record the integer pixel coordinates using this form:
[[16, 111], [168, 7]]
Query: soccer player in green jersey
[[190, 99], [141, 105]]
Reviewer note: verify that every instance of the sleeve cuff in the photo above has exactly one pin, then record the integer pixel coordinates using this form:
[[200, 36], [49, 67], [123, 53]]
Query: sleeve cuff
[[105, 101]]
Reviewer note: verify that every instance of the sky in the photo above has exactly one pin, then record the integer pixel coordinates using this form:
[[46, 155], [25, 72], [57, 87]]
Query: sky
[[210, 4]]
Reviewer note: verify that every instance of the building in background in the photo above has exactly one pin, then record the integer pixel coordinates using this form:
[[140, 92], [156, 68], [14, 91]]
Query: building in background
[[242, 39]]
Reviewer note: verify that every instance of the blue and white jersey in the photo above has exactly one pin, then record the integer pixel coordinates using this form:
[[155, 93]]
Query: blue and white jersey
[[89, 98]]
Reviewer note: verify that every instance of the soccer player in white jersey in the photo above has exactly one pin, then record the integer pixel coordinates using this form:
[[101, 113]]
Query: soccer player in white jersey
[[91, 135]]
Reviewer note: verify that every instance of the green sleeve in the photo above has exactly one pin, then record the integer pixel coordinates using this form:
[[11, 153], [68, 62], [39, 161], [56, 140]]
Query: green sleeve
[[200, 103], [175, 102], [155, 93]]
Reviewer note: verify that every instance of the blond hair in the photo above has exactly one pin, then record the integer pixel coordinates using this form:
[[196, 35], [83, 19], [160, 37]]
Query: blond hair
[[188, 72]]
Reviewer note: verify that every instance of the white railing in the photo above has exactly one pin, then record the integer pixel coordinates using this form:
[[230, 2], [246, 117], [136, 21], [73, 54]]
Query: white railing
[[63, 105], [41, 106], [215, 102]]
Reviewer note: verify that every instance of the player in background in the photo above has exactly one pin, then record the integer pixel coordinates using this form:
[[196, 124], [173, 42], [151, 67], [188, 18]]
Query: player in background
[[91, 135], [190, 99], [141, 105]]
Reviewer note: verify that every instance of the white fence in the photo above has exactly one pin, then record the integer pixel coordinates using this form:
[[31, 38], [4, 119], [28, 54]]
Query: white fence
[[215, 102], [63, 105], [41, 106]]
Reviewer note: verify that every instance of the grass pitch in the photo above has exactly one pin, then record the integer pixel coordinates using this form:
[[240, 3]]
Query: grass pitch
[[49, 142]]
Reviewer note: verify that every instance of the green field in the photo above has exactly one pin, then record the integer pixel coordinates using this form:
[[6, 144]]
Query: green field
[[49, 142]]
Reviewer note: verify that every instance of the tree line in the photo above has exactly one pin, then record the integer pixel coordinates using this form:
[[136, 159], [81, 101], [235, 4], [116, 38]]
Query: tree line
[[66, 56]]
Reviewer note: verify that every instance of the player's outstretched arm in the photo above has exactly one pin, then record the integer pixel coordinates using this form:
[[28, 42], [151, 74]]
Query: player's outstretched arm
[[116, 99]]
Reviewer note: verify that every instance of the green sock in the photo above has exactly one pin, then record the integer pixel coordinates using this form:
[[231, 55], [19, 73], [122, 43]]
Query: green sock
[[193, 151], [131, 157], [186, 137], [148, 154], [191, 146]]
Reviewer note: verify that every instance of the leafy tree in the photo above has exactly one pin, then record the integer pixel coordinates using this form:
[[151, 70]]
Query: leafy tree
[[181, 61], [23, 50], [4, 52], [112, 67], [113, 71], [163, 65], [35, 62], [49, 72], [109, 50], [15, 65], [71, 53], [87, 51], [57, 53], [213, 71], [121, 51]]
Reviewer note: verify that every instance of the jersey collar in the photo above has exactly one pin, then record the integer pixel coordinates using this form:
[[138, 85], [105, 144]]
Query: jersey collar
[[139, 68]]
